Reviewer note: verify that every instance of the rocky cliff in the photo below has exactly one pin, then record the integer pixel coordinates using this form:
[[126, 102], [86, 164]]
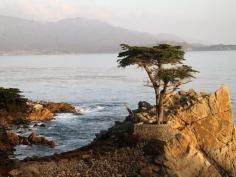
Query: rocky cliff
[[197, 140]]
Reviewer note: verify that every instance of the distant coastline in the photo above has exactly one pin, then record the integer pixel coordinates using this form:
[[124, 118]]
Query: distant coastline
[[188, 48], [77, 36], [218, 47]]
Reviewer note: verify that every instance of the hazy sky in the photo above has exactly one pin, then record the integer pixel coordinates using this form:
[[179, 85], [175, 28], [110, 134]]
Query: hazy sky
[[199, 20]]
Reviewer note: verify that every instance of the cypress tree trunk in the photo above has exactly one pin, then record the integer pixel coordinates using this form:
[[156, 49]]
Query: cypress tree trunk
[[161, 106], [160, 113], [157, 99], [155, 86]]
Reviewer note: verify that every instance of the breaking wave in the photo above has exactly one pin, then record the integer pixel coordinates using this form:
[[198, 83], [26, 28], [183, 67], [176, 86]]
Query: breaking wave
[[89, 109]]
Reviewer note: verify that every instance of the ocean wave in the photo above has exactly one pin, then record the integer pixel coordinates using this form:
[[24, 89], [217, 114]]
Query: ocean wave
[[89, 109], [64, 117]]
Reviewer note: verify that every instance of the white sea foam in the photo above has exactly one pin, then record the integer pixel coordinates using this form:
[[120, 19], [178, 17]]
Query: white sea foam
[[22, 146], [86, 110], [65, 116]]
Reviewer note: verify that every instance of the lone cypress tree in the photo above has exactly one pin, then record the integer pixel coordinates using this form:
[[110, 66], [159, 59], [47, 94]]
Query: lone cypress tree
[[153, 60]]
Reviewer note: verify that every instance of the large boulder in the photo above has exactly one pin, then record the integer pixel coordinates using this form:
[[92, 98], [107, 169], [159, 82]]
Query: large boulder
[[39, 140]]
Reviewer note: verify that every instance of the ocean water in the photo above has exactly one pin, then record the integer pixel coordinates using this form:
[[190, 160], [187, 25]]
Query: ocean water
[[95, 85]]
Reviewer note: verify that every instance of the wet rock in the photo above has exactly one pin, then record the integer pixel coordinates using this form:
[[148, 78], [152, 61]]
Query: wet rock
[[39, 125], [42, 125], [39, 140], [60, 107], [33, 138], [44, 111], [77, 113]]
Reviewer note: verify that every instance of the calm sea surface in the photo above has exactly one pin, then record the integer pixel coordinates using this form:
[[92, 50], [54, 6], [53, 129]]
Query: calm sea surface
[[94, 84]]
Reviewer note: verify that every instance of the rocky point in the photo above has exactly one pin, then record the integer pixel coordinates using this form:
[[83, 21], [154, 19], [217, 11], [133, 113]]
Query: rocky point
[[44, 111]]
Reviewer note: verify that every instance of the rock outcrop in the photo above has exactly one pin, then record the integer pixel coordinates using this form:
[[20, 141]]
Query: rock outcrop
[[59, 107], [39, 140], [33, 111], [197, 140], [33, 138], [44, 111]]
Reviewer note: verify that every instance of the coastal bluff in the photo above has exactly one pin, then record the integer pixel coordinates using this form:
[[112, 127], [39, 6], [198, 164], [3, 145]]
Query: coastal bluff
[[198, 139]]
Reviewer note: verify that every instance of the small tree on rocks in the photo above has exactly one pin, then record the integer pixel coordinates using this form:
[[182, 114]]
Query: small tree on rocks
[[153, 59]]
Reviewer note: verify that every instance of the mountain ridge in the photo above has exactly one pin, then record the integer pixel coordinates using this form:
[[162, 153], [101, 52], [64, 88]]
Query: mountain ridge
[[76, 35]]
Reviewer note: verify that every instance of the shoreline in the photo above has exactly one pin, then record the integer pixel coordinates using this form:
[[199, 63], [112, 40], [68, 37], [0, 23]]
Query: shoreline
[[135, 147]]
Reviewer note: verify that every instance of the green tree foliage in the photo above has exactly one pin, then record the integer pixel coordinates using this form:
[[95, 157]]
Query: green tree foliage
[[11, 97], [153, 59], [171, 79]]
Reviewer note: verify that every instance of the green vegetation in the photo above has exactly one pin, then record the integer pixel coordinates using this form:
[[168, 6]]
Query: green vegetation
[[164, 67], [10, 98]]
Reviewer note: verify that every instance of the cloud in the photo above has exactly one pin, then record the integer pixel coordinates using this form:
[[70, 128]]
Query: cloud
[[67, 8], [37, 10], [213, 20]]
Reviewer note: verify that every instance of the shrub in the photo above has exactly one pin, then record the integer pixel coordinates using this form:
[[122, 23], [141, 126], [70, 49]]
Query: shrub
[[12, 100]]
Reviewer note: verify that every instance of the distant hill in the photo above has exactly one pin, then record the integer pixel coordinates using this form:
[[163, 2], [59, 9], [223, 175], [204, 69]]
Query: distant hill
[[78, 35], [217, 47]]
